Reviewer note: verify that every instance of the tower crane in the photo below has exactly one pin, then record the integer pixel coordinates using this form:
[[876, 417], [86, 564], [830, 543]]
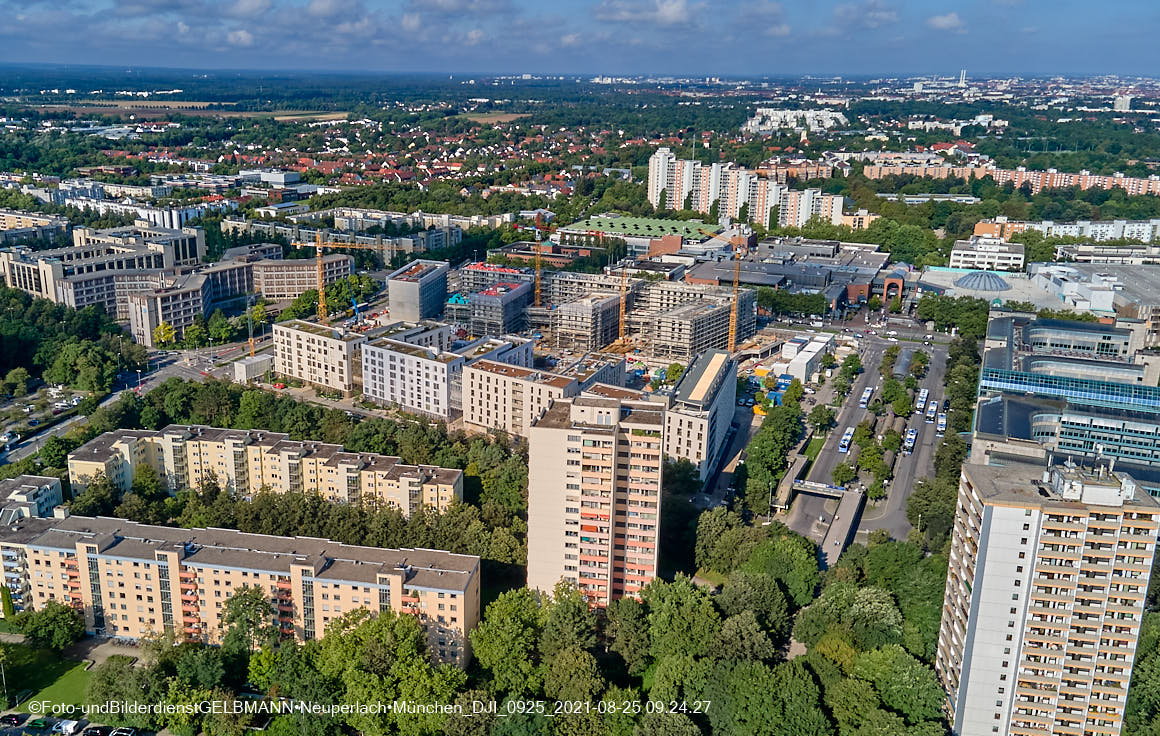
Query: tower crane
[[318, 245], [738, 243]]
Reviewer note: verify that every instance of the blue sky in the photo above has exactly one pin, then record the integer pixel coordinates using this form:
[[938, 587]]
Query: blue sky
[[739, 37]]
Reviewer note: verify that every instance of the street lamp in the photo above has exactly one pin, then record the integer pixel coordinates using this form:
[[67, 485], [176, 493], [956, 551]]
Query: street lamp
[[138, 379]]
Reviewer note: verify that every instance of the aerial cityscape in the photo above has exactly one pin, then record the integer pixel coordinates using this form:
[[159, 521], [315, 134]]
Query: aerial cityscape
[[555, 383]]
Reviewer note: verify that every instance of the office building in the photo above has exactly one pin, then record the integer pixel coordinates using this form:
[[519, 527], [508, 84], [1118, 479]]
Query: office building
[[288, 279], [1046, 585], [700, 411], [245, 462], [132, 581], [510, 398], [1131, 293], [418, 290], [594, 493], [388, 246], [323, 356], [419, 368], [986, 254], [17, 226], [28, 497]]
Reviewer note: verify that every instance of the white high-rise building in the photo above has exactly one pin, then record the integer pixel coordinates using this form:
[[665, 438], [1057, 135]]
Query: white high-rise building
[[1046, 583]]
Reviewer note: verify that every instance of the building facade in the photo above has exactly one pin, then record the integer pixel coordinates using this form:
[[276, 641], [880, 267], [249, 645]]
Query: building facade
[[1046, 584], [131, 580], [417, 291], [246, 462], [322, 356], [594, 496], [700, 411], [986, 254]]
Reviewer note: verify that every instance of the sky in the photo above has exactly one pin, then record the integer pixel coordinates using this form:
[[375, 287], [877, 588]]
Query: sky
[[682, 37]]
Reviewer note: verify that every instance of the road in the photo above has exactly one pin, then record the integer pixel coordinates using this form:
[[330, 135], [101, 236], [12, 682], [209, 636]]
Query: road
[[809, 515]]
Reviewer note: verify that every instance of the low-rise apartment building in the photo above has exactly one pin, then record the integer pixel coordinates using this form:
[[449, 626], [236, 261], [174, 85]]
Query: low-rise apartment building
[[132, 581], [18, 226], [246, 462], [28, 497], [319, 355]]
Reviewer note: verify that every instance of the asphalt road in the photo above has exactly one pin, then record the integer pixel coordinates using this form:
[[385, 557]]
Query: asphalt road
[[809, 516]]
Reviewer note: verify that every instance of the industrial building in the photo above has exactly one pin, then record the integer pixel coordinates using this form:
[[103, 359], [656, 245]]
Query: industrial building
[[418, 290], [181, 579], [1045, 593], [248, 461]]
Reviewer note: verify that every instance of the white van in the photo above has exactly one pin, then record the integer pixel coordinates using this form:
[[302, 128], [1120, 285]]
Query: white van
[[68, 728]]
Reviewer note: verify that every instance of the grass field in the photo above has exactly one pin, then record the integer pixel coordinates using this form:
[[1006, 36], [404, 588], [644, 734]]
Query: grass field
[[496, 117], [42, 674]]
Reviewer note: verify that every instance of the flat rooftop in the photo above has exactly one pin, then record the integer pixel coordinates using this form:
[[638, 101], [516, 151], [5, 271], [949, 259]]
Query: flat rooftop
[[416, 270], [1137, 284], [646, 227], [699, 380], [1022, 483], [333, 333]]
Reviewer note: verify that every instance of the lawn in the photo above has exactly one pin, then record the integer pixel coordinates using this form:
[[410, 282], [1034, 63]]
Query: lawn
[[814, 448], [43, 674]]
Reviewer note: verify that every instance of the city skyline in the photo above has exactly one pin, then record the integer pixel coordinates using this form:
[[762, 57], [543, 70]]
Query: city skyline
[[583, 36]]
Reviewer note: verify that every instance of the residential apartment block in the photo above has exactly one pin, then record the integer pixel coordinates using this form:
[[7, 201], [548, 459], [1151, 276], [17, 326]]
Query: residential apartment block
[[700, 411], [246, 462], [1045, 593], [419, 368], [17, 226], [418, 290], [132, 580], [987, 254], [736, 191], [28, 497], [319, 355], [510, 398], [594, 493]]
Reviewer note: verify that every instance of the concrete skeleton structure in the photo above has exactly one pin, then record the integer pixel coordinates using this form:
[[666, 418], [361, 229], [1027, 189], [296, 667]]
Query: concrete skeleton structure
[[131, 581], [245, 462]]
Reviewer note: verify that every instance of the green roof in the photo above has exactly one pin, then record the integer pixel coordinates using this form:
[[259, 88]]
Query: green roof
[[644, 227]]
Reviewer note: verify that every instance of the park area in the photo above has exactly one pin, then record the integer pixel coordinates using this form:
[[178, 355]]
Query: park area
[[42, 674]]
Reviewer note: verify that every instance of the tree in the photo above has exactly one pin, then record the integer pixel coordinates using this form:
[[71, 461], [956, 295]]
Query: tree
[[569, 622], [930, 508], [628, 632], [821, 418], [874, 303], [55, 626], [99, 498], [8, 607], [762, 701], [164, 334], [195, 335], [17, 381], [573, 675], [221, 330], [742, 638], [743, 212], [759, 594], [794, 393], [674, 372], [681, 618], [792, 560], [505, 641], [54, 452], [843, 474], [663, 200], [247, 618], [905, 685]]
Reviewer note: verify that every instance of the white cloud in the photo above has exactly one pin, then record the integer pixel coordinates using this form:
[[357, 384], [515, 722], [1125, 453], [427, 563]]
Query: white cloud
[[766, 17], [411, 22], [867, 14], [240, 37], [570, 39], [249, 8], [948, 22], [475, 36], [659, 12]]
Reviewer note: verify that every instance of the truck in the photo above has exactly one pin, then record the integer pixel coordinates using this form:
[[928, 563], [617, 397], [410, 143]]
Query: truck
[[908, 443]]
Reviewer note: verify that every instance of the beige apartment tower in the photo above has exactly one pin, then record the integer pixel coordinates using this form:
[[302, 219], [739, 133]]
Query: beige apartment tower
[[594, 492], [1045, 592]]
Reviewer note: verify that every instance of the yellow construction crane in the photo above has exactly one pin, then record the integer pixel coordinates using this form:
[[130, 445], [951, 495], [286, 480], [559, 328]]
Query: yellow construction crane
[[738, 244], [318, 245], [539, 266]]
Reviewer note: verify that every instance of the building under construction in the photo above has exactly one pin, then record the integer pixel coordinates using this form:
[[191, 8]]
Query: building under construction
[[678, 321], [587, 323], [499, 310]]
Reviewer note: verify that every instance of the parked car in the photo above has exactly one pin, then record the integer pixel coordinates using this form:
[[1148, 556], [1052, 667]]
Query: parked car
[[97, 731], [124, 731], [39, 724], [33, 422], [66, 727], [9, 720]]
